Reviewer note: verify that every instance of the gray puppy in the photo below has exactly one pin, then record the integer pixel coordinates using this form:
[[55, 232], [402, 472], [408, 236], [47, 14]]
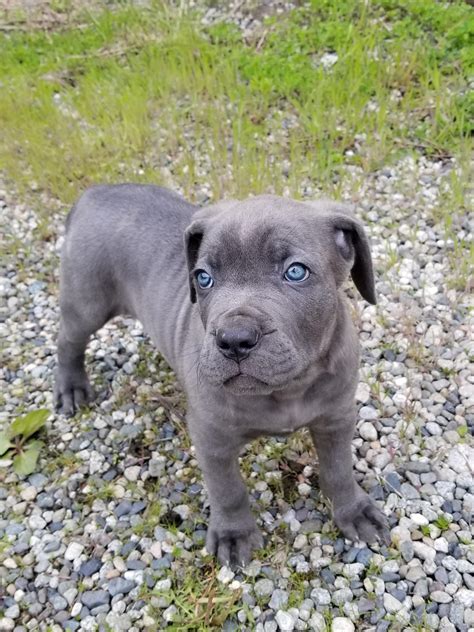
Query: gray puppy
[[244, 301]]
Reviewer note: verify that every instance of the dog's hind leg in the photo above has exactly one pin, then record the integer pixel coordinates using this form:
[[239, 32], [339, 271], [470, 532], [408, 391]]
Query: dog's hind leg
[[85, 308], [72, 388]]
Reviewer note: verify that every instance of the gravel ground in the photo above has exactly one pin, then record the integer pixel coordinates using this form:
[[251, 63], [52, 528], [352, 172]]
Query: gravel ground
[[84, 538], [104, 534]]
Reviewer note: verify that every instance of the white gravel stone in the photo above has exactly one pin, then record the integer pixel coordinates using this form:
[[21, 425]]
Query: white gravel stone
[[29, 493], [73, 551], [10, 563], [391, 604], [368, 431], [304, 489], [341, 624], [132, 473], [170, 613], [424, 552], [440, 596], [368, 413], [225, 575], [162, 585], [285, 621], [36, 522], [419, 519], [264, 587], [156, 550], [460, 457], [441, 544], [363, 393], [317, 622], [465, 597], [183, 511]]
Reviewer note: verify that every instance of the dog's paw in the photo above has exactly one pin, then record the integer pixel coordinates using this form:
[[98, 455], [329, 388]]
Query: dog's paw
[[71, 393], [362, 520], [233, 547]]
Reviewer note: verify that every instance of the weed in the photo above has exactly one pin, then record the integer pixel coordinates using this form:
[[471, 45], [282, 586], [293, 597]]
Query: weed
[[462, 431], [17, 441], [425, 530], [442, 522], [202, 602]]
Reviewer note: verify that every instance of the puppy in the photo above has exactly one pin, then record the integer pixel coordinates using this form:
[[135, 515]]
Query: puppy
[[244, 300]]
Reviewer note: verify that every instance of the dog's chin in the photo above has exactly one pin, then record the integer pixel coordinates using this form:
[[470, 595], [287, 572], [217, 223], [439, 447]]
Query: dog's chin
[[242, 384]]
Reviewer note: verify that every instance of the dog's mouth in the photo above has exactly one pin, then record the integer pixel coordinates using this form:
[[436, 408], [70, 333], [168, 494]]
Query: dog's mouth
[[245, 383]]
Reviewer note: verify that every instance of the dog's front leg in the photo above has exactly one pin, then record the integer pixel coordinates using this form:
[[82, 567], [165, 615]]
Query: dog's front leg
[[355, 513], [232, 533]]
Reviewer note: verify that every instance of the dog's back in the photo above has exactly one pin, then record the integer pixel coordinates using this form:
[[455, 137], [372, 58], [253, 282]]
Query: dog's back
[[115, 235]]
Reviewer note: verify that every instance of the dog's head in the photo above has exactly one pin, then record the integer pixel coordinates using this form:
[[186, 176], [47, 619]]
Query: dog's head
[[266, 275]]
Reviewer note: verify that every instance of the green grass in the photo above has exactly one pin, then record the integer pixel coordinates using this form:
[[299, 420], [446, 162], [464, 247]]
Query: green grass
[[138, 93], [202, 602]]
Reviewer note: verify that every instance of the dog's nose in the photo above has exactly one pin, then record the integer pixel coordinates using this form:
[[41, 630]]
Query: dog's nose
[[237, 342]]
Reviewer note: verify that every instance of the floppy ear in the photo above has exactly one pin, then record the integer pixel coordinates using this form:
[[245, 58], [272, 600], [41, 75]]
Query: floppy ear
[[194, 233], [192, 241], [352, 244]]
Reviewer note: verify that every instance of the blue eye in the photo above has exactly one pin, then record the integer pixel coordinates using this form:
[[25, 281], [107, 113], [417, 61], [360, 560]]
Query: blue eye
[[205, 281], [296, 272]]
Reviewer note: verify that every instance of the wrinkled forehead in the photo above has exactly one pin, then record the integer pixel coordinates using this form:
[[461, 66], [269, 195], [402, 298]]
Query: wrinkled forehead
[[259, 232]]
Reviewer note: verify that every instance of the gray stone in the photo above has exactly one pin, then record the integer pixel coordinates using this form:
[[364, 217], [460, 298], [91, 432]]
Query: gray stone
[[123, 508], [52, 546], [417, 467], [183, 511], [118, 586], [364, 556], [408, 491], [469, 580], [365, 605], [406, 550], [37, 480], [421, 588], [14, 528], [90, 567], [58, 602], [456, 614], [138, 507], [13, 612], [94, 598], [45, 501], [393, 481]]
